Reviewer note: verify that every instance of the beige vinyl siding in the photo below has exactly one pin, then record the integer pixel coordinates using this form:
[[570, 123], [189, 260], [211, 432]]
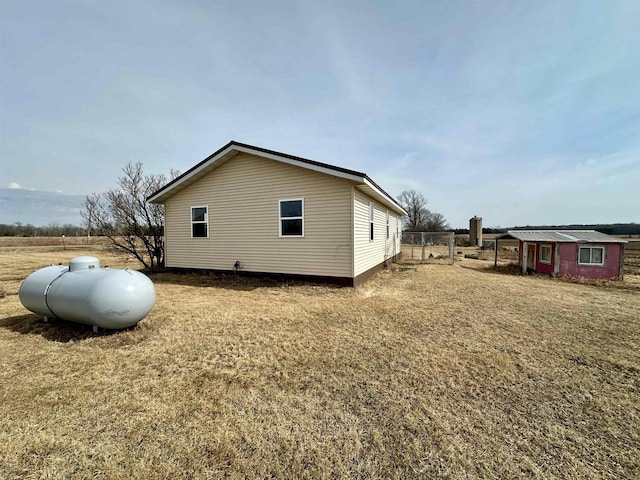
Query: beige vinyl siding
[[242, 196], [368, 254], [398, 237], [395, 233]]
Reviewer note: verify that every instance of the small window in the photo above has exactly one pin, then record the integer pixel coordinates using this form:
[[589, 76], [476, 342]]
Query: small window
[[199, 222], [291, 217], [545, 254], [591, 256], [370, 222]]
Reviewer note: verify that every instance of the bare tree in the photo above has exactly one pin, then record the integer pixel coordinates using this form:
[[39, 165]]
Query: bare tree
[[123, 215], [419, 218], [436, 223], [416, 206]]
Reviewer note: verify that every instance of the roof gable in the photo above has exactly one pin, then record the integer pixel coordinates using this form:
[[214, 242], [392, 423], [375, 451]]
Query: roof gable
[[233, 148]]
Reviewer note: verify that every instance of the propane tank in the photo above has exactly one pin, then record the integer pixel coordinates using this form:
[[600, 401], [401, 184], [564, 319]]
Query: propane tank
[[86, 293]]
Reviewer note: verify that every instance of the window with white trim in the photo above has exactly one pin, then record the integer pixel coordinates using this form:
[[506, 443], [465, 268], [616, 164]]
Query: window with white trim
[[291, 212], [371, 211], [387, 224], [545, 254], [200, 222], [589, 255]]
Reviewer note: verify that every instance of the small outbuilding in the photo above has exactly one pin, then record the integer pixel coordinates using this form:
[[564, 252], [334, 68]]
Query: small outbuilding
[[258, 211], [575, 253]]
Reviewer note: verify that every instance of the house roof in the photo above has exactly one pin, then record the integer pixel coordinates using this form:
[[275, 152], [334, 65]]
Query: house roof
[[233, 148], [561, 236]]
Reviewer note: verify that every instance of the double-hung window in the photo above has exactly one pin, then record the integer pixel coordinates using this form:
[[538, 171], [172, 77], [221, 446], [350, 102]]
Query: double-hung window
[[545, 254], [199, 222], [371, 212], [387, 224], [588, 255], [291, 217]]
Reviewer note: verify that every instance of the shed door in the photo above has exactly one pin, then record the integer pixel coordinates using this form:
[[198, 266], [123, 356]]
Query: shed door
[[531, 257]]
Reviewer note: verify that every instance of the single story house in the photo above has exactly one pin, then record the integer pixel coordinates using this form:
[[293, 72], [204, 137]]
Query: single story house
[[253, 210], [575, 253]]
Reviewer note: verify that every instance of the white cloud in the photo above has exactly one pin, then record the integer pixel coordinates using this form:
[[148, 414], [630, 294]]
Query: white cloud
[[14, 186]]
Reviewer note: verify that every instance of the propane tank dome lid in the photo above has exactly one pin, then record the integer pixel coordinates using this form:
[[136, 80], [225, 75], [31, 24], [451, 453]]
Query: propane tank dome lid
[[83, 263]]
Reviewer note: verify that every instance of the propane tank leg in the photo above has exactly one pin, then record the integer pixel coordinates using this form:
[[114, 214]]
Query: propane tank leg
[[96, 329], [46, 319]]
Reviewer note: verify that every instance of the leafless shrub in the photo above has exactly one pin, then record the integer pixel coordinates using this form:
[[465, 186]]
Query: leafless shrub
[[126, 219]]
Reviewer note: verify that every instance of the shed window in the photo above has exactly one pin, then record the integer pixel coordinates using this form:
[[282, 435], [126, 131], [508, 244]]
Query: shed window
[[199, 222], [291, 217], [371, 221], [591, 256], [545, 254]]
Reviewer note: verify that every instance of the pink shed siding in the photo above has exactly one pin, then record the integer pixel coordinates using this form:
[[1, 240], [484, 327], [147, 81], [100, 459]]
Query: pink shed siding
[[540, 267], [569, 262], [545, 267]]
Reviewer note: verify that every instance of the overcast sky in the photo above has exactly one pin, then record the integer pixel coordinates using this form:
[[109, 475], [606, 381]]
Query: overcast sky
[[519, 112]]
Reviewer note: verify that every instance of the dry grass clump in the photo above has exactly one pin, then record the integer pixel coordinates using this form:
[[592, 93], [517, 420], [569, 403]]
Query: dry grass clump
[[434, 371]]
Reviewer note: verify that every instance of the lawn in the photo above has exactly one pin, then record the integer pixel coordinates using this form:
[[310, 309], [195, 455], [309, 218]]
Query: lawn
[[448, 371]]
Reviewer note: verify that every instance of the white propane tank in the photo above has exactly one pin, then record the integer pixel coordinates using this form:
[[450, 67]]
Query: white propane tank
[[86, 293]]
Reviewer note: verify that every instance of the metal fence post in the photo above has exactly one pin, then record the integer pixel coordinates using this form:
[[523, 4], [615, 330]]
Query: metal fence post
[[451, 242]]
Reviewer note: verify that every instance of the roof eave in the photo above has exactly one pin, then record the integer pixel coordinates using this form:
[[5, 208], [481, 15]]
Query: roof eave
[[387, 199], [521, 235]]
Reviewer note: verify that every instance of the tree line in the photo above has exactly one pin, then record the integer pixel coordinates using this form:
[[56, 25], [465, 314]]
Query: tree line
[[52, 230]]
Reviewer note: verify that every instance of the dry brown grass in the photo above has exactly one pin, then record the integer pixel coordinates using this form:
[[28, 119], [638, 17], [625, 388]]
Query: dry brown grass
[[448, 372]]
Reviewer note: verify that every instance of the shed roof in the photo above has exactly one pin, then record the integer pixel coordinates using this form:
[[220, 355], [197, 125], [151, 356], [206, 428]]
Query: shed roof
[[231, 149], [561, 236]]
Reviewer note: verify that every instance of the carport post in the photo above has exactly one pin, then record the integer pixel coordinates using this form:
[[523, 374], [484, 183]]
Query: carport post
[[495, 247]]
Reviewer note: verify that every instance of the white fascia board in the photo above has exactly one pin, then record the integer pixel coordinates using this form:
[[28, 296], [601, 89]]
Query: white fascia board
[[390, 202]]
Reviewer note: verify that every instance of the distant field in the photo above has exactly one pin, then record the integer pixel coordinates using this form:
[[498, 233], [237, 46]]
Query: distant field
[[430, 371], [50, 241]]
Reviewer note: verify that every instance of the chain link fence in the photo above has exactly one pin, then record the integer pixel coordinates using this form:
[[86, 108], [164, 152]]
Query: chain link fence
[[428, 246]]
